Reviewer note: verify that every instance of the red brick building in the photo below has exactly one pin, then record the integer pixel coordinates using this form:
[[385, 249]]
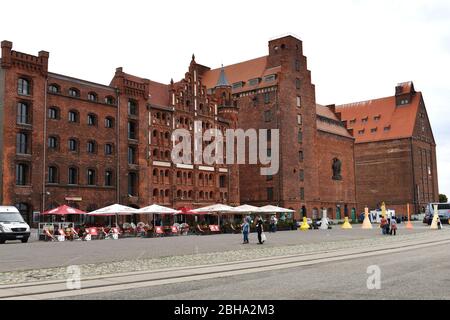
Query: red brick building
[[67, 140], [395, 151]]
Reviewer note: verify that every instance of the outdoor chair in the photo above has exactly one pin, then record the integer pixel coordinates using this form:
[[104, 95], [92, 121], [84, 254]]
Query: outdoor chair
[[114, 232], [48, 235], [75, 235], [214, 228], [175, 231], [159, 231], [61, 235]]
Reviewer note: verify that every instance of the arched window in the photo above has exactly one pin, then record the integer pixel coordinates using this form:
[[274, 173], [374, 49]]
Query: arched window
[[52, 174], [24, 86], [73, 116], [109, 122], [166, 193], [52, 142], [92, 96], [166, 173], [155, 172], [73, 175], [91, 146], [211, 195], [108, 178], [53, 113], [155, 192], [73, 145], [201, 195], [110, 100], [92, 119], [74, 92], [53, 88], [179, 194], [23, 113], [190, 194], [108, 149], [91, 177]]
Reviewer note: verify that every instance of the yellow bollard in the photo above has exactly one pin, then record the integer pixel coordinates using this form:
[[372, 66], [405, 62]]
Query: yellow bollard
[[305, 226], [366, 223], [383, 210], [409, 224], [346, 224]]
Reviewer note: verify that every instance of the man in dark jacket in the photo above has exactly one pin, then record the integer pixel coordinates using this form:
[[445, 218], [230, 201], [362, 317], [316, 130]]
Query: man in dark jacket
[[259, 229]]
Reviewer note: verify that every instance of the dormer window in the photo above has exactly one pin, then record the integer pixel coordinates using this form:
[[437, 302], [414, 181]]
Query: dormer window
[[373, 130], [352, 121], [270, 78], [377, 118], [253, 82], [361, 131], [388, 128], [237, 85], [404, 101], [365, 120]]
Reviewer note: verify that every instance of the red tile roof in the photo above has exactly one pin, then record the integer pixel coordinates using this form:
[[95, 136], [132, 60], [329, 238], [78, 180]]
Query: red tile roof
[[399, 119], [159, 94], [330, 126], [242, 71]]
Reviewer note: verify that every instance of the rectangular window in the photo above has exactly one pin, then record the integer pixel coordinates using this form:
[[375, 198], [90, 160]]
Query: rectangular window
[[269, 135], [73, 176], [222, 181], [297, 65], [131, 155], [297, 83], [270, 194], [269, 178], [267, 97], [299, 101], [267, 116], [237, 85], [300, 156], [300, 137], [299, 119], [302, 175], [132, 130], [21, 174], [302, 193], [22, 143], [22, 113], [132, 183], [108, 178]]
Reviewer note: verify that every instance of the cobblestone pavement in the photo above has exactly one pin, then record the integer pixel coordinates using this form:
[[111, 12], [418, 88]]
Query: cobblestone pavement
[[281, 243]]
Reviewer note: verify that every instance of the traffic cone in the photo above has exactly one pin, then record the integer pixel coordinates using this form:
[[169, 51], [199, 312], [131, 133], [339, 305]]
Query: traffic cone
[[305, 226], [409, 224], [346, 224], [366, 223]]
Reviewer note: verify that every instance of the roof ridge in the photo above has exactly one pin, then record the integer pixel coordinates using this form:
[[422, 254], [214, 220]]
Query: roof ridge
[[235, 64]]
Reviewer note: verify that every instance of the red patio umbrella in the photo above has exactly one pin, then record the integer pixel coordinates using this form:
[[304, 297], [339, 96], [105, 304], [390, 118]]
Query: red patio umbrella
[[63, 210]]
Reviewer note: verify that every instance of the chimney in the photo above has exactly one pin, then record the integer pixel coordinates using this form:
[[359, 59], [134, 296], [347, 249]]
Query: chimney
[[43, 57]]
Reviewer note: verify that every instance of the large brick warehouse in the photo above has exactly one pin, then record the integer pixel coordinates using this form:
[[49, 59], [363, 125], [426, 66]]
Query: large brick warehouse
[[66, 140]]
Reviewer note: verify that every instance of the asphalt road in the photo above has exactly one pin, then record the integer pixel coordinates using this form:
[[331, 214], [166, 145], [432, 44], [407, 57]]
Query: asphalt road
[[412, 274], [35, 255]]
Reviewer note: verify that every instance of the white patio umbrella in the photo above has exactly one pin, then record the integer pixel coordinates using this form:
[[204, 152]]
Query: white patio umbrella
[[246, 208], [274, 209], [113, 210], [157, 209], [215, 208]]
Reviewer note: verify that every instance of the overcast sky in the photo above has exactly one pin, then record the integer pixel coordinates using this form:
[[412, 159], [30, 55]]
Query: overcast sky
[[357, 50]]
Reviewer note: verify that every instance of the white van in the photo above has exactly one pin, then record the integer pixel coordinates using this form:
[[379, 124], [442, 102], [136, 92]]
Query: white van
[[12, 225]]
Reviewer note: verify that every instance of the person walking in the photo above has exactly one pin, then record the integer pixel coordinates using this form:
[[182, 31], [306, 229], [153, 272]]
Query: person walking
[[245, 230], [393, 226], [259, 229], [383, 224]]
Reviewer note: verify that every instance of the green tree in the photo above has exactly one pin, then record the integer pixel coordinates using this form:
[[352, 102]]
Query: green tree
[[443, 198]]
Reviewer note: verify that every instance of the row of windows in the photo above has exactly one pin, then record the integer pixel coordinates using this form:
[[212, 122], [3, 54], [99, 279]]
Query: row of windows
[[366, 119], [186, 177], [74, 116], [270, 194], [73, 145], [74, 92]]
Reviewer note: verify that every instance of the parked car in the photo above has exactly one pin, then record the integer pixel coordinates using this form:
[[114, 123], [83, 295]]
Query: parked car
[[12, 225]]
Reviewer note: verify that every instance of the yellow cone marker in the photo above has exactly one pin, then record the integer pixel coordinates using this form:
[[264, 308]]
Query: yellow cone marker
[[434, 223], [383, 210], [305, 226], [408, 224], [346, 224], [366, 223]]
